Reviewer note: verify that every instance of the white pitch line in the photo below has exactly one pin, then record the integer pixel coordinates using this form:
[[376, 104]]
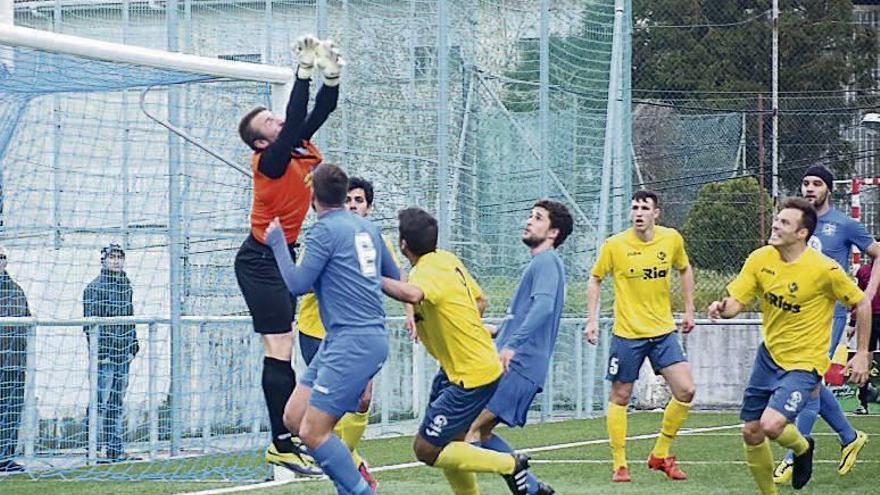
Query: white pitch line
[[409, 465]]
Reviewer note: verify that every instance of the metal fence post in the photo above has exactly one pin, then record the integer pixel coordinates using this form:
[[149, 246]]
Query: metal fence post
[[204, 386], [94, 426], [152, 402], [578, 374], [30, 413]]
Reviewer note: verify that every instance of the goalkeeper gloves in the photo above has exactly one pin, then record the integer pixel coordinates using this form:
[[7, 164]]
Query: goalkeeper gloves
[[305, 49], [330, 62]]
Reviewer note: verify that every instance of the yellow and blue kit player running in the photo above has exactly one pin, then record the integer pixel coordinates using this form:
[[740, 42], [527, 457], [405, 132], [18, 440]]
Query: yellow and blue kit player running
[[448, 305], [344, 261], [527, 336], [836, 235], [798, 288]]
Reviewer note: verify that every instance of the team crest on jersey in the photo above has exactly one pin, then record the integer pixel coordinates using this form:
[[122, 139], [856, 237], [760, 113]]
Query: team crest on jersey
[[815, 243], [661, 256], [793, 287], [829, 229]]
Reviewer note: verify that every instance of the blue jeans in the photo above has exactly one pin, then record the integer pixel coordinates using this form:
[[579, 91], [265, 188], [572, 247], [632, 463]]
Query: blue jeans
[[112, 384]]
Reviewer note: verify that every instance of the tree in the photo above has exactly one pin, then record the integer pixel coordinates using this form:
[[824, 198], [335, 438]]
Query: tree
[[716, 55], [724, 225]]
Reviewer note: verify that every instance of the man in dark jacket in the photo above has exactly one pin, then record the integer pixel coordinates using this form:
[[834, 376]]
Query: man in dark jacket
[[109, 294], [13, 356]]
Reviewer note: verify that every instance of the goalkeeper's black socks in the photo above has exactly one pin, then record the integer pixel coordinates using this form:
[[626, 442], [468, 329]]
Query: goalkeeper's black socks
[[278, 382]]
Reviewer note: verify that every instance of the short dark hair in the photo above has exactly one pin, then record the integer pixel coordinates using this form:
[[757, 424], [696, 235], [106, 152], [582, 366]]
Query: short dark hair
[[808, 213], [112, 248], [419, 229], [560, 218], [247, 133], [361, 183], [645, 194], [330, 184]]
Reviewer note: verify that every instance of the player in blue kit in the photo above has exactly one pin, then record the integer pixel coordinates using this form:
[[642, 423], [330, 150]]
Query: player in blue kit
[[344, 262], [528, 335], [835, 235]]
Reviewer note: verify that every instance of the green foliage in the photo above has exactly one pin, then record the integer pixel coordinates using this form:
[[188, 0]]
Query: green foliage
[[724, 225], [821, 52]]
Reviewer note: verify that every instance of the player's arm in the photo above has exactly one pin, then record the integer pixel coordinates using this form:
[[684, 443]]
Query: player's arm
[[874, 281], [860, 365], [687, 286], [298, 279], [594, 289], [727, 307], [402, 291], [276, 157]]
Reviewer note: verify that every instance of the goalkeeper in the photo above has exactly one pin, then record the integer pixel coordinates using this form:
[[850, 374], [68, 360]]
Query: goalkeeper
[[282, 163]]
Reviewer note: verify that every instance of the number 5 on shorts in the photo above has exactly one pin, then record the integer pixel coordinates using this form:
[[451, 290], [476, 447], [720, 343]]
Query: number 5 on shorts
[[612, 366]]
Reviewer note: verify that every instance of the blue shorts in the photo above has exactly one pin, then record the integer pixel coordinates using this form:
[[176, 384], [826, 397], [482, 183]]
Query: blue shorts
[[838, 325], [341, 370], [512, 398], [771, 386], [452, 409], [626, 356], [308, 347]]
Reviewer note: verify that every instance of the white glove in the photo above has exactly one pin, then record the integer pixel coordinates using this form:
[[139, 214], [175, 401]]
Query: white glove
[[305, 49], [330, 62]]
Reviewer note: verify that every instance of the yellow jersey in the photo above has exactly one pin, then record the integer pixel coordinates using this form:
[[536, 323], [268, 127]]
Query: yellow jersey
[[797, 304], [642, 273], [449, 323], [308, 317]]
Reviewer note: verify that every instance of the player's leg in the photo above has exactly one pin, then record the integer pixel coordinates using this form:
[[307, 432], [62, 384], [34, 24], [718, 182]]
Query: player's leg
[[668, 357], [344, 367], [790, 392], [624, 360], [272, 309], [350, 429], [440, 439], [509, 405], [756, 396]]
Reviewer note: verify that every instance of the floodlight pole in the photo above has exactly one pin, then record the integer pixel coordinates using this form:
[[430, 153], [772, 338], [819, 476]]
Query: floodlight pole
[[775, 98]]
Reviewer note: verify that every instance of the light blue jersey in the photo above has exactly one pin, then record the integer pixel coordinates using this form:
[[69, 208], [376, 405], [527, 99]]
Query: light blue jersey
[[532, 322], [344, 261], [835, 235]]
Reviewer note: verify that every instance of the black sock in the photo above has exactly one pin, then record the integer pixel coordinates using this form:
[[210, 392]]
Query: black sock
[[863, 395], [278, 382]]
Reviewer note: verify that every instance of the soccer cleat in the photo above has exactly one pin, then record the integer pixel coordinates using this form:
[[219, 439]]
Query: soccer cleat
[[305, 50], [861, 410], [297, 462], [782, 473], [330, 62], [802, 470], [668, 466], [10, 466], [849, 453], [364, 469], [545, 489], [621, 475], [518, 480]]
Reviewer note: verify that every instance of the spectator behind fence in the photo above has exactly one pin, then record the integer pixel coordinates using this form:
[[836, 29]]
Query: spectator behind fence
[[866, 391], [13, 353], [109, 294]]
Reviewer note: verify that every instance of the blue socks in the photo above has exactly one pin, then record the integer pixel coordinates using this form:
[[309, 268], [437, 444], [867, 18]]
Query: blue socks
[[498, 444], [335, 459], [825, 405], [832, 413]]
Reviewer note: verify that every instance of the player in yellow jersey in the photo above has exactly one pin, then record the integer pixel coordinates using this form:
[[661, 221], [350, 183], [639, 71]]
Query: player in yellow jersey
[[448, 306], [798, 288], [350, 427], [641, 260]]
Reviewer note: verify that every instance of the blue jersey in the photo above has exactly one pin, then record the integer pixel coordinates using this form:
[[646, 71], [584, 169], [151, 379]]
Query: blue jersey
[[532, 321], [344, 261], [835, 235]]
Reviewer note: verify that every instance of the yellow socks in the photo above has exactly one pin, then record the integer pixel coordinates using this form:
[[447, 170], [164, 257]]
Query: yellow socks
[[760, 460], [673, 418], [463, 456], [350, 428], [462, 482], [792, 439], [616, 421]]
